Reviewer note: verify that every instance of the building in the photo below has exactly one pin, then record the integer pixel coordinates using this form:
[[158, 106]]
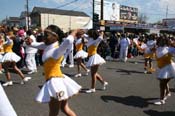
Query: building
[[169, 22], [65, 19], [11, 21], [24, 20], [128, 14]]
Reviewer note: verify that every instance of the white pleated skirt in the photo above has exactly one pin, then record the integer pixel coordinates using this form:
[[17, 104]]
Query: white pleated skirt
[[81, 54], [1, 58], [58, 88], [10, 56], [95, 59], [6, 108], [166, 72]]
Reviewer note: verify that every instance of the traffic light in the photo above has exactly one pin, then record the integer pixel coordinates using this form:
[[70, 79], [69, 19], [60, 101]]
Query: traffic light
[[96, 17], [96, 21]]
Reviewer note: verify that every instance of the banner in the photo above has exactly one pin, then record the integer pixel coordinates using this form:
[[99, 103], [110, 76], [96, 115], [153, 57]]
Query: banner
[[128, 13], [111, 10]]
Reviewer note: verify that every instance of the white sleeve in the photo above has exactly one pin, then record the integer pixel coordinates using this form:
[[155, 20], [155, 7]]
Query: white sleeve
[[61, 50], [38, 45], [143, 46], [129, 41], [8, 42], [33, 38], [97, 41]]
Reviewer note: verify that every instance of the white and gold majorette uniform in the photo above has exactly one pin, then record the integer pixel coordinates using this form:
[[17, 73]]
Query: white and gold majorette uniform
[[9, 54], [80, 53], [166, 67], [57, 84], [6, 108], [147, 49], [94, 58]]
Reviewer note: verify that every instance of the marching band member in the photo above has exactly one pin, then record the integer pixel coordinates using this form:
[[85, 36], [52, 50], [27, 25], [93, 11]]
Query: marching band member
[[80, 53], [58, 87], [148, 53], [95, 60], [166, 67], [9, 60]]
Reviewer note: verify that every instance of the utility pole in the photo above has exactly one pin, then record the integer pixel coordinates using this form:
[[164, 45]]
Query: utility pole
[[48, 19], [70, 23], [102, 3], [167, 12], [27, 15], [93, 5]]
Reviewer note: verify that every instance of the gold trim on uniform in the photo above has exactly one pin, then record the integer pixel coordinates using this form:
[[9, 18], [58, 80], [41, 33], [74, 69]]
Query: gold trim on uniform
[[92, 50], [8, 48], [52, 68], [79, 47], [149, 55], [164, 60]]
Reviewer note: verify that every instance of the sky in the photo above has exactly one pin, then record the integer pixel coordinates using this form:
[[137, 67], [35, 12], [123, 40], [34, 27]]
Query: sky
[[155, 10]]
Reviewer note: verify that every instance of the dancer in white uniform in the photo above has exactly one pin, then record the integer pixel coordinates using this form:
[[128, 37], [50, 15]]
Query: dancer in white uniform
[[10, 59], [95, 60], [148, 55], [80, 53], [58, 87], [166, 67]]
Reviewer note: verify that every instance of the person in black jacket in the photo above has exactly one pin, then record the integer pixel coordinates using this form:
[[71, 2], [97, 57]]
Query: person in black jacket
[[112, 44]]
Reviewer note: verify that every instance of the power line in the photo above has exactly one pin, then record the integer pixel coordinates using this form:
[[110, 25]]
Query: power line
[[78, 7], [66, 4]]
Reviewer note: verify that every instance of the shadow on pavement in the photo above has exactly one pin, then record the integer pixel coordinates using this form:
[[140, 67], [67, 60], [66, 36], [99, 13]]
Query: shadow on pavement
[[129, 72], [136, 62], [157, 113], [134, 101], [70, 75]]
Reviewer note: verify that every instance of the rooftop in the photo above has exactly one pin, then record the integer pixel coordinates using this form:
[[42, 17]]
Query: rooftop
[[58, 11]]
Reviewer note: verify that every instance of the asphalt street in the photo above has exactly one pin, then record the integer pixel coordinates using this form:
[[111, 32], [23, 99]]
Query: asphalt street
[[128, 94]]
